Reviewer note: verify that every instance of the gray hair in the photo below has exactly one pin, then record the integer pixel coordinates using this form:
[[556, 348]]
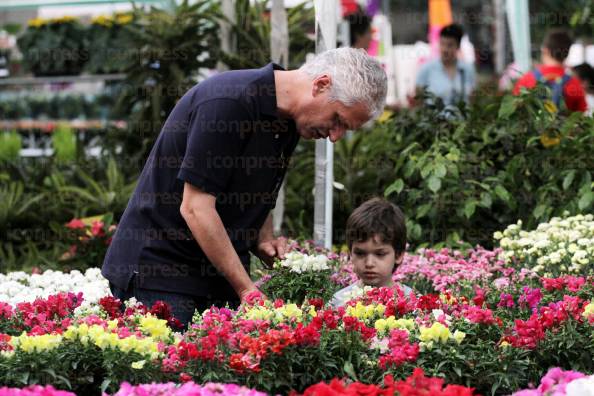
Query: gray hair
[[356, 77]]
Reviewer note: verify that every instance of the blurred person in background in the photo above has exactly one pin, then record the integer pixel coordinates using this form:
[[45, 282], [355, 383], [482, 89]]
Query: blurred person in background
[[448, 77], [585, 73], [566, 90], [359, 29]]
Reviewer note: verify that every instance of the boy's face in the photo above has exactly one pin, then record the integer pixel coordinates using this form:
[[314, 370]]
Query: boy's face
[[373, 261]]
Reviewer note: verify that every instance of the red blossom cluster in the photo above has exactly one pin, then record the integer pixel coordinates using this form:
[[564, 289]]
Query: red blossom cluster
[[415, 385], [400, 350]]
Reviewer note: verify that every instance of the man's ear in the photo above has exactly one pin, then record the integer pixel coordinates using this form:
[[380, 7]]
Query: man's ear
[[321, 84]]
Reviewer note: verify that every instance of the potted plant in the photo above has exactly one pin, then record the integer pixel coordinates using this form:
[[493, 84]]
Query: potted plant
[[54, 47]]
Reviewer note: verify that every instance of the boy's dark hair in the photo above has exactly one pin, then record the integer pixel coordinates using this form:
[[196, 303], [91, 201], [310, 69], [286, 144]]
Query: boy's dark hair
[[359, 24], [454, 31], [558, 42], [585, 72], [377, 217]]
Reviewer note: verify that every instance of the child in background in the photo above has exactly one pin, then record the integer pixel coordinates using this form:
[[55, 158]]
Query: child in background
[[585, 73], [376, 238]]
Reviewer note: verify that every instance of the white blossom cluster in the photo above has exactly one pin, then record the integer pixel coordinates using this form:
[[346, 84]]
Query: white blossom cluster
[[563, 245], [300, 262], [16, 287]]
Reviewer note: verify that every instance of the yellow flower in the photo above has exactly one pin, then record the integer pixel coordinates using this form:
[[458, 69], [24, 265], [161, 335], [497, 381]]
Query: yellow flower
[[312, 312], [390, 323], [504, 344], [550, 106], [138, 365], [459, 336], [259, 313], [37, 22], [123, 19], [112, 324], [549, 141], [38, 343], [155, 327], [588, 310], [361, 311], [385, 116], [102, 20], [437, 332], [64, 19], [289, 311]]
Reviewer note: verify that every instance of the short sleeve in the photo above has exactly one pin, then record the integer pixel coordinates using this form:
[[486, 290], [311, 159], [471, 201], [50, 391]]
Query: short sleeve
[[471, 77], [217, 135], [422, 79]]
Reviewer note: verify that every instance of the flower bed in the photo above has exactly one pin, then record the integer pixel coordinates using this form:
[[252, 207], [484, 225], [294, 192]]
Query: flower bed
[[476, 320], [19, 286]]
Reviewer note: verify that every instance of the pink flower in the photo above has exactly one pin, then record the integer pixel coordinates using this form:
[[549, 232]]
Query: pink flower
[[76, 224], [97, 228]]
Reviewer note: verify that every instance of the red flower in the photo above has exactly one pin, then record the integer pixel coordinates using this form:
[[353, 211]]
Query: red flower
[[111, 306], [185, 377], [76, 224], [97, 228]]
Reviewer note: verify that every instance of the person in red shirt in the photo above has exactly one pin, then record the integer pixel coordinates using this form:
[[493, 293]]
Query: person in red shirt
[[565, 88]]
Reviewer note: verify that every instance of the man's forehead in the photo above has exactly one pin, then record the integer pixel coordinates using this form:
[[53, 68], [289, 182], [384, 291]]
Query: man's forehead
[[356, 115]]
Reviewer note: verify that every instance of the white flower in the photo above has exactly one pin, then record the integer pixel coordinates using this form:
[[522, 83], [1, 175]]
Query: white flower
[[299, 262], [581, 387]]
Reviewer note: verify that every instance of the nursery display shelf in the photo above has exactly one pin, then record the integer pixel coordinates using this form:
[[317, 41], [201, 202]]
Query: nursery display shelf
[[60, 79], [51, 124]]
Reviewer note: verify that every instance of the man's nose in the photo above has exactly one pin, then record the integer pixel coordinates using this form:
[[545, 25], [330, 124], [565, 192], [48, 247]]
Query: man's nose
[[336, 134]]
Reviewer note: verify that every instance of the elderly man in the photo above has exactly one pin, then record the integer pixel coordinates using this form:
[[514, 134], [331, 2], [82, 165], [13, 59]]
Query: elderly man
[[204, 197]]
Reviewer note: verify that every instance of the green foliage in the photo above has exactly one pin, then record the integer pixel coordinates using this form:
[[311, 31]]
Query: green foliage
[[169, 47], [296, 288], [54, 47], [252, 34], [10, 146], [64, 144], [110, 194], [458, 175]]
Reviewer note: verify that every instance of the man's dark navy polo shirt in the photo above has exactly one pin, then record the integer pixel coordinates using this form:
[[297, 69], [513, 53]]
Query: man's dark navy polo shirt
[[223, 136]]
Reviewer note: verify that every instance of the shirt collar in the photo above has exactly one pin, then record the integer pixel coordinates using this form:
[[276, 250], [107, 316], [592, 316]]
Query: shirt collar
[[267, 91]]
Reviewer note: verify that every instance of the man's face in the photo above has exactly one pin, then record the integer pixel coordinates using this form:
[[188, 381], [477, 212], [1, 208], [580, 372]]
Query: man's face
[[319, 118], [448, 49]]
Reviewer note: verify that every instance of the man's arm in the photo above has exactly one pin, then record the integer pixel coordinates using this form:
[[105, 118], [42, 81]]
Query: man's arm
[[199, 211]]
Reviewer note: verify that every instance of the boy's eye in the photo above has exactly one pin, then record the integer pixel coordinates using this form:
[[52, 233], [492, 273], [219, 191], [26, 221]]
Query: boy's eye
[[380, 254]]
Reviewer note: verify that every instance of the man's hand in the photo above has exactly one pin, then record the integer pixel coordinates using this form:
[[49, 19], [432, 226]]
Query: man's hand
[[249, 295], [269, 250]]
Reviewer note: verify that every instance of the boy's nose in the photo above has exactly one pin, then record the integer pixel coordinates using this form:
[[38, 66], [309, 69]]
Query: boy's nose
[[369, 261]]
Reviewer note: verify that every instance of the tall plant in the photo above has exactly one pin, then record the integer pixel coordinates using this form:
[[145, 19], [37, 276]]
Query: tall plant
[[167, 49], [252, 31]]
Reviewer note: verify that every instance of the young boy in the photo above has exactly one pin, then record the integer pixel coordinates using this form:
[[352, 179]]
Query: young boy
[[376, 237], [552, 72]]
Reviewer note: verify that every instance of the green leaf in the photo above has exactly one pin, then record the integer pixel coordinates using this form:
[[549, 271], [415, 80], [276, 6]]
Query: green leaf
[[350, 370], [469, 208], [440, 170], [423, 210], [508, 106], [539, 211], [397, 186], [486, 200], [502, 193], [105, 384], [568, 179], [434, 183], [426, 170], [586, 200]]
